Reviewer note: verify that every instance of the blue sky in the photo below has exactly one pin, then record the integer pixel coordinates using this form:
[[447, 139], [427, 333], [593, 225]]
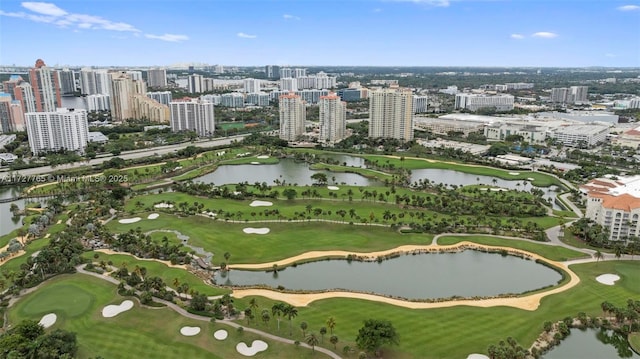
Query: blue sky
[[536, 33]]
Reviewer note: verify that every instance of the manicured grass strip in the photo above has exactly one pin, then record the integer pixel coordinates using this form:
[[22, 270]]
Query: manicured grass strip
[[554, 253], [167, 274], [138, 333], [365, 172]]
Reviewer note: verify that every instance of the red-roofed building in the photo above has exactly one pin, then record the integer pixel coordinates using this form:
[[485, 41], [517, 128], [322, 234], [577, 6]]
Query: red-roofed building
[[614, 203]]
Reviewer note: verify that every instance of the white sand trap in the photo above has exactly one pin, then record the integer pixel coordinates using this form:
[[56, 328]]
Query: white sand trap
[[163, 205], [531, 179], [514, 173], [333, 188], [210, 214], [112, 310], [48, 320], [256, 347], [477, 356], [260, 204], [221, 334], [250, 230], [255, 163], [262, 157], [189, 331], [153, 216], [129, 220], [608, 279]]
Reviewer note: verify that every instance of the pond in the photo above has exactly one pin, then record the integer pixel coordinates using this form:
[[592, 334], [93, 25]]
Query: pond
[[286, 170], [592, 343], [7, 222], [421, 276], [451, 177]]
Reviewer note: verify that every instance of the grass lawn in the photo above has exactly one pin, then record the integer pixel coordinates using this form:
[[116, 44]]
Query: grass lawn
[[285, 239], [365, 172], [459, 331], [141, 332], [167, 274], [570, 239], [634, 341], [554, 253]]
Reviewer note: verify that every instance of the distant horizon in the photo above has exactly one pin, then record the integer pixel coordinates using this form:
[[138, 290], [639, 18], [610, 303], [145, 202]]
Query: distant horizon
[[382, 33]]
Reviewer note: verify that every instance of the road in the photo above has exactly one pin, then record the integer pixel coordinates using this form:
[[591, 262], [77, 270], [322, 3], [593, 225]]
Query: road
[[128, 155]]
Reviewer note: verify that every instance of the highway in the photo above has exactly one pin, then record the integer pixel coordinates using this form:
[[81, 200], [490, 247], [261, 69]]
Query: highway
[[127, 155]]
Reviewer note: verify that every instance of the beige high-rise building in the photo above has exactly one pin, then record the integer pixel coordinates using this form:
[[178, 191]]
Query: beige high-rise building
[[391, 114], [333, 115], [292, 117], [123, 89], [152, 110]]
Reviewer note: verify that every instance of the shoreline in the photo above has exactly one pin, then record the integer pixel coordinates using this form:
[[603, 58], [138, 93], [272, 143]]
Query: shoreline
[[167, 263], [528, 302]]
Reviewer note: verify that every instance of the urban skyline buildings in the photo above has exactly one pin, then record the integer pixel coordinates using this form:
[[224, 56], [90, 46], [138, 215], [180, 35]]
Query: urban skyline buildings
[[292, 117], [193, 115]]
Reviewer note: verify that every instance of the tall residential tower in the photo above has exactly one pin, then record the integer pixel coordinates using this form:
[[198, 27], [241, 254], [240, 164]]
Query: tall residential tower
[[391, 114]]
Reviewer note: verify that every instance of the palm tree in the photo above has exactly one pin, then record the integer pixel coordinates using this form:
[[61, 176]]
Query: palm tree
[[266, 317], [334, 341], [290, 312], [253, 304], [312, 340], [331, 323], [618, 251], [323, 331], [277, 309], [304, 327], [598, 255], [227, 255]]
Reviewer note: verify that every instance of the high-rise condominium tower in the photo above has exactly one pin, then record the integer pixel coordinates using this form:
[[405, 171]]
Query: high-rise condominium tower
[[292, 117], [391, 114]]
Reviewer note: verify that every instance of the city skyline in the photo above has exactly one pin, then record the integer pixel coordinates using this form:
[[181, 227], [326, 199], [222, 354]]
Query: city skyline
[[368, 33]]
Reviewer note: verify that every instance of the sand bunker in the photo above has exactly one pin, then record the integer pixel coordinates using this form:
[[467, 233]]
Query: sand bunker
[[189, 331], [153, 216], [262, 157], [260, 204], [112, 310], [333, 188], [48, 320], [250, 230], [221, 334], [608, 279], [129, 220], [163, 205], [256, 347], [477, 356], [210, 214], [514, 173], [255, 163], [531, 179]]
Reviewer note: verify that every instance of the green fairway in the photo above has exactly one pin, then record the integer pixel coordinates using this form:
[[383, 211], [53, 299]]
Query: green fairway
[[554, 253], [284, 240], [137, 333], [459, 331], [634, 341]]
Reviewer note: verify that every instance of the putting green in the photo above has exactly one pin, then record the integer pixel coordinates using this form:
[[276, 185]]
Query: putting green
[[66, 300]]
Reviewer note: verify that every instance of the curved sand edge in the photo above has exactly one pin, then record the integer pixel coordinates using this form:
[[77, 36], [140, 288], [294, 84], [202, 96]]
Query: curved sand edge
[[529, 302], [167, 263]]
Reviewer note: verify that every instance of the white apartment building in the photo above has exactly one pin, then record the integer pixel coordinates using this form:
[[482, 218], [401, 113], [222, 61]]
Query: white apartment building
[[419, 104], [163, 97], [299, 73], [615, 205], [580, 135], [192, 115], [286, 72], [157, 78], [252, 85], [98, 102], [61, 129], [391, 113], [333, 115], [258, 99], [532, 134], [288, 84], [135, 75], [194, 84], [216, 100], [233, 99], [474, 102], [572, 95], [292, 117]]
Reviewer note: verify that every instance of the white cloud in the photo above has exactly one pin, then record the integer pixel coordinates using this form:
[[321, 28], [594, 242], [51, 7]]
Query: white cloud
[[517, 36], [246, 36], [545, 35], [629, 8], [290, 17], [44, 8], [168, 37]]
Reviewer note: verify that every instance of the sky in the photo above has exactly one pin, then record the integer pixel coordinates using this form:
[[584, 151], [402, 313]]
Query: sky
[[535, 33]]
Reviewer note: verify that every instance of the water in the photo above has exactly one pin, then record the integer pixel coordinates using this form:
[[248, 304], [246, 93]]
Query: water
[[592, 343], [345, 160], [422, 276], [7, 222], [74, 102], [286, 170], [451, 177]]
